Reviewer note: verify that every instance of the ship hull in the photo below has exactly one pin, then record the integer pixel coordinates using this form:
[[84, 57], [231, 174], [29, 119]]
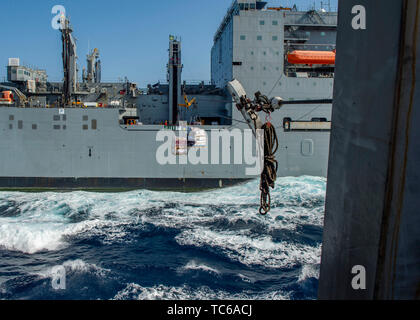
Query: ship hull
[[113, 184], [87, 148]]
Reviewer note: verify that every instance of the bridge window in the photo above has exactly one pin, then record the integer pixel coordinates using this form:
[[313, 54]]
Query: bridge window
[[243, 37], [259, 37], [275, 38], [262, 22], [275, 23]]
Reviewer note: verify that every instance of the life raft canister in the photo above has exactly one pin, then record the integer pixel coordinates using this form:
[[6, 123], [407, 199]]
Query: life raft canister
[[6, 97]]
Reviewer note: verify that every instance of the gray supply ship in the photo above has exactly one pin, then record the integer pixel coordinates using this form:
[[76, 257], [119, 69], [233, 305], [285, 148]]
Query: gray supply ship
[[94, 135]]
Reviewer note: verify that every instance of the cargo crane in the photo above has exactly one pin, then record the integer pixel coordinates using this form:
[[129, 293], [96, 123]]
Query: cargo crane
[[174, 78], [187, 103], [69, 60]]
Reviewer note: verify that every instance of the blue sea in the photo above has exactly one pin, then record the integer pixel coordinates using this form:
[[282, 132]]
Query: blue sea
[[163, 245]]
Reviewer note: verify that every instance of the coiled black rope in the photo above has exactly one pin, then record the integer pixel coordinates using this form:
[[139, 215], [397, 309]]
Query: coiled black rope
[[269, 173]]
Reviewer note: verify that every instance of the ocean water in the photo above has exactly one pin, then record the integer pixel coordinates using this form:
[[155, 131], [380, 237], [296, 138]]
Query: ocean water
[[163, 245]]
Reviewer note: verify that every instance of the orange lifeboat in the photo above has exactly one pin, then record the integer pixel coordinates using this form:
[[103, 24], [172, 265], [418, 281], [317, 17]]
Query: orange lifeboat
[[6, 97], [311, 57]]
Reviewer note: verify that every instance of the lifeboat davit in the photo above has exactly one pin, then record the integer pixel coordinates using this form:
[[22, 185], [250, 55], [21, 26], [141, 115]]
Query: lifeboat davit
[[311, 57]]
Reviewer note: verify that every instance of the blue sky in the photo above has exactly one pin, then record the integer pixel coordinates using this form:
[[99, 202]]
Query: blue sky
[[131, 35]]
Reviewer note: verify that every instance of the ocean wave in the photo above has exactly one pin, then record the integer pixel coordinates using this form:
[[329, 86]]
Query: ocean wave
[[34, 222], [309, 271], [33, 237], [261, 251], [135, 291], [219, 247], [76, 266], [196, 266], [81, 278]]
